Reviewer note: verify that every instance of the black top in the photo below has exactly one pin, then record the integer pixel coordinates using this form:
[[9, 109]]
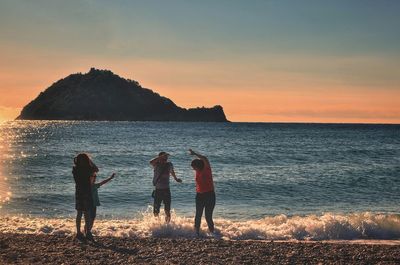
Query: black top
[[82, 180]]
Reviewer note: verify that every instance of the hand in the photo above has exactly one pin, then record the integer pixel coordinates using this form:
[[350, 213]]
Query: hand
[[191, 152], [178, 180], [112, 176]]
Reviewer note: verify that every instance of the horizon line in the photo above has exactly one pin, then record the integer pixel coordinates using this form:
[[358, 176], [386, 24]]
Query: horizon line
[[229, 121]]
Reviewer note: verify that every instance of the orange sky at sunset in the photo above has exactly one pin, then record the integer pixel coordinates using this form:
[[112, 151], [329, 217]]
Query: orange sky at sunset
[[272, 64], [257, 96]]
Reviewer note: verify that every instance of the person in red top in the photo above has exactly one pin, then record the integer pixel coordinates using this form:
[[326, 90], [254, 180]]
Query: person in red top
[[205, 195]]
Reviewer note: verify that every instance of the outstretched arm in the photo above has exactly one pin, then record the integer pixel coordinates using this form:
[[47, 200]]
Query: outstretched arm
[[174, 175], [107, 180], [204, 158]]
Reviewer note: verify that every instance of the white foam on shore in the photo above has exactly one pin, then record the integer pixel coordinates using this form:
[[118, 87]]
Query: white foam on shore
[[364, 226]]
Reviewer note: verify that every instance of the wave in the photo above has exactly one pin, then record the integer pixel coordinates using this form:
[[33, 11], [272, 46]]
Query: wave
[[328, 226]]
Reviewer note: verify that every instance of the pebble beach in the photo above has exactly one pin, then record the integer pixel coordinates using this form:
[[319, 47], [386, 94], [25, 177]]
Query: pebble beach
[[53, 249]]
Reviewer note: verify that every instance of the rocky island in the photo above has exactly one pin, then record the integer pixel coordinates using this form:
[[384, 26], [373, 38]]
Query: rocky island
[[103, 95]]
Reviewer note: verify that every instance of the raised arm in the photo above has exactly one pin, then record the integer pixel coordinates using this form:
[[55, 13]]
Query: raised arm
[[155, 160], [203, 158], [107, 180]]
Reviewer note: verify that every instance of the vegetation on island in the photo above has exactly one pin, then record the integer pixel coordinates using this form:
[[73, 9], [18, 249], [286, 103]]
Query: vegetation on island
[[103, 95]]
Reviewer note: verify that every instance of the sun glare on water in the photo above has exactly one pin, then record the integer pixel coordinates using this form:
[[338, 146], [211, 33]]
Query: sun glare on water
[[5, 193]]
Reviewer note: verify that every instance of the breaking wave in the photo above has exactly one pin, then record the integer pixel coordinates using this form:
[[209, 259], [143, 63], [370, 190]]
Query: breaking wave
[[281, 227]]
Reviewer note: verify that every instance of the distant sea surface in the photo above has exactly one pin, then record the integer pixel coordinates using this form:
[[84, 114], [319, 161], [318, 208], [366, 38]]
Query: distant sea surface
[[265, 174]]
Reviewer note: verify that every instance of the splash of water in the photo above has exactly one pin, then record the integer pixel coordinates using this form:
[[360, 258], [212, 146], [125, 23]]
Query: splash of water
[[323, 227]]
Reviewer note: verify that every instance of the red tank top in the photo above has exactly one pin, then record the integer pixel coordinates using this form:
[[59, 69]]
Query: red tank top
[[204, 180]]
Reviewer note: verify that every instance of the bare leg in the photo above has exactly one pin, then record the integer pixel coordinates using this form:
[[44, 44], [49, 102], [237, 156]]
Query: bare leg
[[167, 216], [79, 234], [157, 203], [78, 221], [167, 206], [88, 221], [92, 217]]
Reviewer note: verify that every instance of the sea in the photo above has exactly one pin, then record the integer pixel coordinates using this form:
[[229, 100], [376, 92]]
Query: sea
[[273, 181]]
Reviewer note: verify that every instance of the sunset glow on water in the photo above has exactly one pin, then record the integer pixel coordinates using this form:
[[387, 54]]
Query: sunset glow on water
[[277, 177], [5, 192]]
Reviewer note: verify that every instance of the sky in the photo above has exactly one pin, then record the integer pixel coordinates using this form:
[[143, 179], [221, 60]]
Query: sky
[[263, 61]]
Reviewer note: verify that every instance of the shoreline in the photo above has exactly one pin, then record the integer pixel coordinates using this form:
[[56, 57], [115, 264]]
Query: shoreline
[[56, 249], [362, 228]]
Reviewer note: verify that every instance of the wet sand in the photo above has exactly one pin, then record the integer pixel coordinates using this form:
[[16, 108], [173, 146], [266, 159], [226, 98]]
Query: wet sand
[[52, 249]]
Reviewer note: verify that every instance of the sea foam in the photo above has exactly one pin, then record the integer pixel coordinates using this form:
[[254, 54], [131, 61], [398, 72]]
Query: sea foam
[[313, 227]]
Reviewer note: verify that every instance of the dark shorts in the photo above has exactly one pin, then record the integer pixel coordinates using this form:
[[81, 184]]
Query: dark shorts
[[162, 196]]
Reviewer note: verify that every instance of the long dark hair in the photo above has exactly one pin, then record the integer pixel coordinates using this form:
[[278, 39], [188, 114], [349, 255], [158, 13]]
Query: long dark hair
[[83, 166], [82, 161]]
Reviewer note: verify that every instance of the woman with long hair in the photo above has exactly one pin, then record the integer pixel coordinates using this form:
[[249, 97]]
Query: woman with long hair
[[82, 170]]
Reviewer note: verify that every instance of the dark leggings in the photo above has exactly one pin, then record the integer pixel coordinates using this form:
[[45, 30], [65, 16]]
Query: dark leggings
[[205, 201]]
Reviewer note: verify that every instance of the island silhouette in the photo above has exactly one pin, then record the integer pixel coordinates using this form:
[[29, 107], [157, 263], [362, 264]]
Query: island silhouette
[[103, 95]]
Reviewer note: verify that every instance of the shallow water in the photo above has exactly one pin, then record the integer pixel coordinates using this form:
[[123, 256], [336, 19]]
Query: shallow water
[[362, 226], [260, 170]]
